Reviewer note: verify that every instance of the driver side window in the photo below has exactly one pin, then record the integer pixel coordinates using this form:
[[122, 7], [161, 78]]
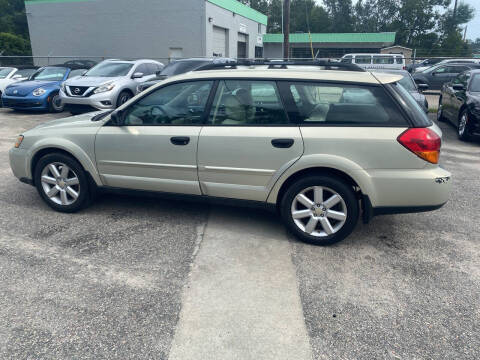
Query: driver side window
[[176, 104]]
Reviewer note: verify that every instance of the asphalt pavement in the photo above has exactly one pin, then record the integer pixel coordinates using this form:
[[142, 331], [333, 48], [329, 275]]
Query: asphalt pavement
[[145, 278]]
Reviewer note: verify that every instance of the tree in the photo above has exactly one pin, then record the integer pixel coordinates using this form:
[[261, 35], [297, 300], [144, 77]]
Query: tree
[[14, 27], [11, 44], [341, 15]]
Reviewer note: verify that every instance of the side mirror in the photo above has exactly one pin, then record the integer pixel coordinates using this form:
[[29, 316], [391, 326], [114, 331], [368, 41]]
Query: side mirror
[[422, 86], [434, 73], [117, 118], [158, 73], [458, 87], [137, 75]]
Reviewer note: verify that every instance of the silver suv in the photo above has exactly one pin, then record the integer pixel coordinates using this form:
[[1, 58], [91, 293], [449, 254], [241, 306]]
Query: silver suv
[[320, 146], [107, 85]]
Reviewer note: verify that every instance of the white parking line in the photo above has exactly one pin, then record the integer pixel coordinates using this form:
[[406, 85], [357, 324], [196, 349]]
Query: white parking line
[[242, 301]]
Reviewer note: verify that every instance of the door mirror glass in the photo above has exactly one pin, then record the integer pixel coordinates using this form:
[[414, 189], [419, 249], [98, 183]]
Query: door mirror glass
[[137, 75]]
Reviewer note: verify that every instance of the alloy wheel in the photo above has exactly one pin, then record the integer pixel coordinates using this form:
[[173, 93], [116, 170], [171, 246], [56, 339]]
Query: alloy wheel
[[60, 183], [319, 211], [57, 103], [462, 125]]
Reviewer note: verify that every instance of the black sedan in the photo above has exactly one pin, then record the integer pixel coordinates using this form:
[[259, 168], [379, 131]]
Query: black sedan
[[460, 104], [440, 74]]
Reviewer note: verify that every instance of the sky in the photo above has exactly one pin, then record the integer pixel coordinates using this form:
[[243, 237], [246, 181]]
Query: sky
[[473, 27]]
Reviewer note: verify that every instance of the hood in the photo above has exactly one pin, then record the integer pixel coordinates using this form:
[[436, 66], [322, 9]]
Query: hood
[[24, 88], [90, 81], [79, 121]]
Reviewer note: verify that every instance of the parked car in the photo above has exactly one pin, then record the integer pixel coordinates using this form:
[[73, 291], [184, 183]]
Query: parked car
[[9, 75], [180, 66], [376, 61], [450, 61], [80, 63], [459, 104], [107, 85], [423, 64], [413, 88], [41, 90], [285, 139], [438, 75]]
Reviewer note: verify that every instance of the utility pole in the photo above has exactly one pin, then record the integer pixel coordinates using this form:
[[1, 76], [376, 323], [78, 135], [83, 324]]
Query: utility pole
[[286, 29]]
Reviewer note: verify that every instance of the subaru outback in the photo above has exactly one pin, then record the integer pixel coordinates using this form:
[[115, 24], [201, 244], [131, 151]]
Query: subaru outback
[[323, 146]]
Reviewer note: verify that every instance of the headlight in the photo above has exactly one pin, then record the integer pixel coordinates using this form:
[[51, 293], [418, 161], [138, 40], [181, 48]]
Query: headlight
[[139, 89], [39, 92], [19, 141], [103, 88], [64, 88]]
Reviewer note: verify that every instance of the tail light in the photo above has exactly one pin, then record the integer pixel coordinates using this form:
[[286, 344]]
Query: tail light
[[423, 142]]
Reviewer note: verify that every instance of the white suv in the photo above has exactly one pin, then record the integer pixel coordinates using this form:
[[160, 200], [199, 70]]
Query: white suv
[[321, 146]]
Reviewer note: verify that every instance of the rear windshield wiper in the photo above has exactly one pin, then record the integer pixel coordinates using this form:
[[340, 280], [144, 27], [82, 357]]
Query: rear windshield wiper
[[101, 115]]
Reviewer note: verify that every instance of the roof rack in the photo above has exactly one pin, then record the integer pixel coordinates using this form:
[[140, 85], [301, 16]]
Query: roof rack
[[327, 64]]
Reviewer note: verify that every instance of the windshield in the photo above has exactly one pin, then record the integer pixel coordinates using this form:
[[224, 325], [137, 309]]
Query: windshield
[[408, 83], [110, 69], [180, 67], [4, 72], [411, 106], [25, 73], [475, 84], [51, 74]]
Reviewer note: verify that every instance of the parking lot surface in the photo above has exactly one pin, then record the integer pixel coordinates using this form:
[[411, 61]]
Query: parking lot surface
[[147, 278]]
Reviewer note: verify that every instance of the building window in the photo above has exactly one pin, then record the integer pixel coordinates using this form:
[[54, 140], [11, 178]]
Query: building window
[[259, 28]]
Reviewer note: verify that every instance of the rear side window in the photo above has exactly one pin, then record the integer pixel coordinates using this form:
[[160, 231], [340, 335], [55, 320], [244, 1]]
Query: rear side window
[[362, 59], [399, 60], [341, 104], [247, 103], [383, 60], [410, 105]]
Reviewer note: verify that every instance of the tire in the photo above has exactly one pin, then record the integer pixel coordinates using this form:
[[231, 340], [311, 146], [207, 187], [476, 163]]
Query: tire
[[55, 105], [440, 117], [123, 98], [463, 127], [338, 226], [62, 199]]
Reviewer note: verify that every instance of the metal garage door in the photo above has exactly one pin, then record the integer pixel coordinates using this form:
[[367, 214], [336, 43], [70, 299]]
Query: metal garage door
[[219, 41]]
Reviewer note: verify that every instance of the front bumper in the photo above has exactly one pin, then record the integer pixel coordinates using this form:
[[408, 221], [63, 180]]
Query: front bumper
[[102, 101], [18, 164], [27, 102]]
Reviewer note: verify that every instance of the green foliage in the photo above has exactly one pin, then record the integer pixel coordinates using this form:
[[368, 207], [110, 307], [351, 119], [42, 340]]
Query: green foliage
[[11, 44], [14, 38]]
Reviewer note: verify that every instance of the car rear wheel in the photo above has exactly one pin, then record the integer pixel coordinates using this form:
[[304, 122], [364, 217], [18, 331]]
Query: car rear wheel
[[123, 98], [320, 210], [55, 105], [61, 182], [463, 126]]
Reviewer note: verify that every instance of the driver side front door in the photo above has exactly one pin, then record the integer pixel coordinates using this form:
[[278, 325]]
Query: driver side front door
[[155, 149]]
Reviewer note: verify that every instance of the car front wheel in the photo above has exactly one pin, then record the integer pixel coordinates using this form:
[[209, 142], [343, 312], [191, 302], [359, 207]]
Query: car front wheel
[[61, 182], [320, 210], [55, 105]]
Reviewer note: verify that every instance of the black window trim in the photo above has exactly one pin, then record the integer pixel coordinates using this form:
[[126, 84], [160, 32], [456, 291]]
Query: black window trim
[[291, 123], [390, 93], [150, 90]]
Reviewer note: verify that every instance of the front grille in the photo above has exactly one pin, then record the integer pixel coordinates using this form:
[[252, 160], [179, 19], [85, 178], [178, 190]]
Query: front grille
[[77, 90], [18, 104]]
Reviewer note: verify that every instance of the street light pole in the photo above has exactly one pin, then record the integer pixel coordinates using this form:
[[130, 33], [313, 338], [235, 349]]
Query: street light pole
[[286, 29]]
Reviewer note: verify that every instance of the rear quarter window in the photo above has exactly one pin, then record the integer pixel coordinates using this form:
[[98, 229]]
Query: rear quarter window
[[322, 104], [410, 106]]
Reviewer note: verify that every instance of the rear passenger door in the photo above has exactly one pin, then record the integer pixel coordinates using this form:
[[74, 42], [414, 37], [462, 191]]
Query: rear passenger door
[[247, 141], [349, 124]]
